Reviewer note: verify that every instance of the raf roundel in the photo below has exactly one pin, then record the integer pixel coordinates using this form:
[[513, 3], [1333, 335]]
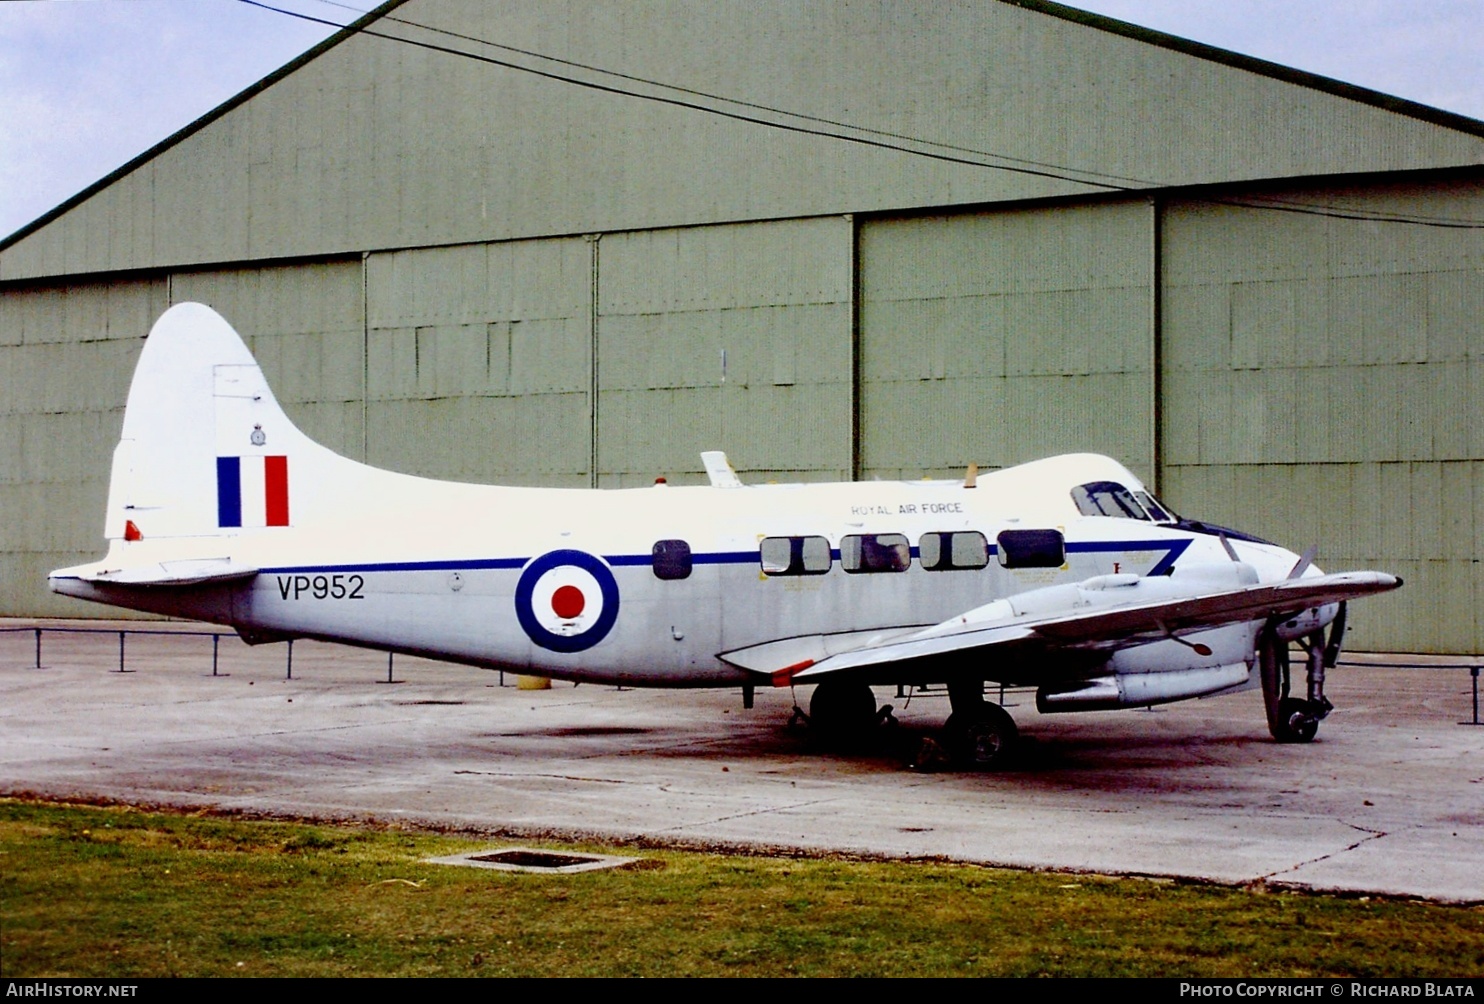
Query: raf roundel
[[566, 601]]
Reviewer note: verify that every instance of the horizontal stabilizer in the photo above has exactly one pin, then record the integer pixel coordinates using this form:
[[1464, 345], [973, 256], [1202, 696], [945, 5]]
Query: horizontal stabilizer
[[186, 572]]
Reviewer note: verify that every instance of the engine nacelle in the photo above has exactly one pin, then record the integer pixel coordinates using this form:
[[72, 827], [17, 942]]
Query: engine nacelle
[[1160, 672], [1306, 622], [1137, 690]]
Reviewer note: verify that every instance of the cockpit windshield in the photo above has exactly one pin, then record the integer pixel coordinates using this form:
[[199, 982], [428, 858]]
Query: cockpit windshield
[[1156, 512], [1109, 498]]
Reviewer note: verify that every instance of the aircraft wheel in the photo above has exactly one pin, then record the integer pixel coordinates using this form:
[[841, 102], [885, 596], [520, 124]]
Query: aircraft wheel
[[982, 738], [842, 713], [1296, 722]]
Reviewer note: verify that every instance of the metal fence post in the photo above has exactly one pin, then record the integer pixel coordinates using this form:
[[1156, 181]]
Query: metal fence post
[[289, 674], [38, 648], [1474, 672]]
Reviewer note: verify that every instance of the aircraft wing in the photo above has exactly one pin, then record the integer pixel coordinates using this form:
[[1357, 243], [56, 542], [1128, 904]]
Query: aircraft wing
[[1262, 602], [1103, 614]]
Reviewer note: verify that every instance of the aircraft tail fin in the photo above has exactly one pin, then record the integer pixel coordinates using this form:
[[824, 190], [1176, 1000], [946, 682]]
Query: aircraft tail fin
[[205, 451]]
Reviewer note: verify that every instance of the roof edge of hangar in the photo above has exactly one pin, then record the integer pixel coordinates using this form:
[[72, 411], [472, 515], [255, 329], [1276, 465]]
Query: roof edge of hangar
[[1101, 22], [1261, 67], [241, 97]]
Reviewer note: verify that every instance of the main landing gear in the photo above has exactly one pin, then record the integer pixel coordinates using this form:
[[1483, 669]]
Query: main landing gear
[[1294, 719], [978, 734], [843, 714]]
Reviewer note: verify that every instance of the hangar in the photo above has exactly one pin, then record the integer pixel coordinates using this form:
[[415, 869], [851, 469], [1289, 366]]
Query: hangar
[[578, 243]]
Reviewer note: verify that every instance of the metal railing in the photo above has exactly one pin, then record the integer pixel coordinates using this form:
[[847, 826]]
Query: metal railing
[[902, 690], [215, 636], [1472, 667]]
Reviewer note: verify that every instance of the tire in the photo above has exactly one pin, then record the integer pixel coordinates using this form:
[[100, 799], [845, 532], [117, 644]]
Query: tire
[[842, 714], [982, 739], [1296, 722]]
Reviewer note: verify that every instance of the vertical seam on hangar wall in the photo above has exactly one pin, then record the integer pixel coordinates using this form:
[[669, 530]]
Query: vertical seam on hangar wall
[[593, 240], [365, 356], [854, 324], [1156, 346]]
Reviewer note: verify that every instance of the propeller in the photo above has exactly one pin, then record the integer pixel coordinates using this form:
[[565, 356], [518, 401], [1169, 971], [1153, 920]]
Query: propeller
[[1231, 552], [1336, 638], [1291, 719], [1305, 560]]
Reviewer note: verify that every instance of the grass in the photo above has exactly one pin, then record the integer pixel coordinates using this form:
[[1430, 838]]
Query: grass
[[108, 891]]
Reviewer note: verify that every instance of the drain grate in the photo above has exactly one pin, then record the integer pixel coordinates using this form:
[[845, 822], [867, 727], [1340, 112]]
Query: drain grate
[[530, 859], [533, 859]]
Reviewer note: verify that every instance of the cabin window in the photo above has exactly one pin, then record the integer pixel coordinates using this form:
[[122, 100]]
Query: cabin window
[[1032, 549], [1107, 498], [671, 559], [875, 552], [794, 555], [943, 552]]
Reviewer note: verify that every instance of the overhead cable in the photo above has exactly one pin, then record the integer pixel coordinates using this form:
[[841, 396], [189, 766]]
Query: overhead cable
[[800, 122]]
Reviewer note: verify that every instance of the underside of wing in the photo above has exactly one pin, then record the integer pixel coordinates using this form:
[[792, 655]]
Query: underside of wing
[[1102, 615]]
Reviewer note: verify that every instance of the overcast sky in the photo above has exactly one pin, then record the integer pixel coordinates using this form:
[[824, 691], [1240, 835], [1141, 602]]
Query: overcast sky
[[86, 85]]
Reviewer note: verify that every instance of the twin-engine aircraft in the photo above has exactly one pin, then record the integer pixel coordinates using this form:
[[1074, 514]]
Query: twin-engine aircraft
[[1064, 574]]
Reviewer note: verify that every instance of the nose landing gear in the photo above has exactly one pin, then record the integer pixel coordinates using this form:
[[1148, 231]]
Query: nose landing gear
[[1294, 719]]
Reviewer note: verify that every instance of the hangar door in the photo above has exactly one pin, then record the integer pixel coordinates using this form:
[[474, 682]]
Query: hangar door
[[1322, 379], [66, 356], [1001, 337], [478, 361], [732, 337]]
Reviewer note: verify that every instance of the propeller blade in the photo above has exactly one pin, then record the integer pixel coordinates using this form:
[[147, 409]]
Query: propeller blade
[[1302, 565], [1231, 552], [1336, 638]]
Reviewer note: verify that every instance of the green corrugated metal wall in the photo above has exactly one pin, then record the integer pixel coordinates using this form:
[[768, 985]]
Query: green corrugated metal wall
[[1319, 379], [376, 145], [1322, 383], [479, 361], [999, 337], [728, 337], [66, 355], [400, 235]]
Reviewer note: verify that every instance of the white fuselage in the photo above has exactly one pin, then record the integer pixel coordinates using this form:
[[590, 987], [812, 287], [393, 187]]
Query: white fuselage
[[564, 583]]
